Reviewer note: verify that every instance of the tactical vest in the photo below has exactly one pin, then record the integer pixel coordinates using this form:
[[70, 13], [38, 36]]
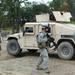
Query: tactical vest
[[40, 43]]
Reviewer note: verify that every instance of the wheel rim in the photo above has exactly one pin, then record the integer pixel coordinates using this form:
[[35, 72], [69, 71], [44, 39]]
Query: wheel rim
[[13, 46], [65, 50]]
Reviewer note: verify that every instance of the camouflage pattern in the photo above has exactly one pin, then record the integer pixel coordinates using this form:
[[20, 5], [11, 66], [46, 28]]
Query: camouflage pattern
[[43, 59]]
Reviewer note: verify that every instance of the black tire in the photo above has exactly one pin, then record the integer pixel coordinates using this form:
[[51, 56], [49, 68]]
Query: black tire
[[13, 48], [65, 50]]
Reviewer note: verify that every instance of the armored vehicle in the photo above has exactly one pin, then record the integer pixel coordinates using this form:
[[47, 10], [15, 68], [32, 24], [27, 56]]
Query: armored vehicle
[[63, 34]]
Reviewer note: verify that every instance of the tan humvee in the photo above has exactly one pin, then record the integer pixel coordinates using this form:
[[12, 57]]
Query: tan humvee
[[63, 33]]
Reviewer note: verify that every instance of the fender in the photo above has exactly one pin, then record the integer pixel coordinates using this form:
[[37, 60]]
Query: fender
[[15, 36], [66, 39]]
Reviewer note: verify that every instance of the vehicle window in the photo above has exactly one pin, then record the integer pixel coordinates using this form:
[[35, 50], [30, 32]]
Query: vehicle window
[[29, 29]]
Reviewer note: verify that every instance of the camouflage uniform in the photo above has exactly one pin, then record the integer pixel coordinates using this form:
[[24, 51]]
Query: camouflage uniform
[[43, 59]]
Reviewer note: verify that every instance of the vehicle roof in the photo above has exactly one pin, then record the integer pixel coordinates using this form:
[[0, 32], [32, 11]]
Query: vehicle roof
[[32, 23], [39, 23]]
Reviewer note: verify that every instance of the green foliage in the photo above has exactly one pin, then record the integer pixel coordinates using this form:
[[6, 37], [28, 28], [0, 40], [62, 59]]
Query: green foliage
[[63, 5], [12, 14], [33, 9], [40, 8], [11, 18], [16, 13]]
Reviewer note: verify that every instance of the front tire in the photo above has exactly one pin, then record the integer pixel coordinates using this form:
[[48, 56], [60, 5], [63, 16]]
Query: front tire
[[13, 48], [65, 50]]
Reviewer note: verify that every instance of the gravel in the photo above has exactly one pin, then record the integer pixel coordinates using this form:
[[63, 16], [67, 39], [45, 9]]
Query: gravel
[[26, 64]]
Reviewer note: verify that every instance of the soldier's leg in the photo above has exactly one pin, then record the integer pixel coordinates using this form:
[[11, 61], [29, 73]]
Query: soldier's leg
[[40, 60], [45, 58], [44, 65]]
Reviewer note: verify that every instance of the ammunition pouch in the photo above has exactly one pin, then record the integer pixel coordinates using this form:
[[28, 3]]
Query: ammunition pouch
[[42, 45]]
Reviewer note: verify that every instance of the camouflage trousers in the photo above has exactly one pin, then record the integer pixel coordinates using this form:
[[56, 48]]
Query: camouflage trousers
[[43, 59]]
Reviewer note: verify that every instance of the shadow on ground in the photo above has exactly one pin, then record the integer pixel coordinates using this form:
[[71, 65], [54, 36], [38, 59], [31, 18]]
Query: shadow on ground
[[36, 54]]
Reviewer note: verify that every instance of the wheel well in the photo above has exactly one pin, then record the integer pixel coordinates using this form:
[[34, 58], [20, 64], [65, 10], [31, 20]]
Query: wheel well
[[10, 38], [65, 40]]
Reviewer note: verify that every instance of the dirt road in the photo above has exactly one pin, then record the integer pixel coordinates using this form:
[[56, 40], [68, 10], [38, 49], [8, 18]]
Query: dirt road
[[26, 64]]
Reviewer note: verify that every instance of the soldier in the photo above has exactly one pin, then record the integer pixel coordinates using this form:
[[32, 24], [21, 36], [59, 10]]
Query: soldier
[[43, 59]]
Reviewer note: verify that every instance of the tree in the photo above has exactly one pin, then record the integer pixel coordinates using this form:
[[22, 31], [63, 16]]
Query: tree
[[55, 4], [35, 9], [72, 6], [60, 5], [13, 8]]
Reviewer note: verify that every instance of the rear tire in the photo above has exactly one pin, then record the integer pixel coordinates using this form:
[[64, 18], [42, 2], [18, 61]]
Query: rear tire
[[13, 47], [65, 50]]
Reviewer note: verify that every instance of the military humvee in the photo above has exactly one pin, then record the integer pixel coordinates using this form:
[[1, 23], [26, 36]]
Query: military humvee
[[63, 33]]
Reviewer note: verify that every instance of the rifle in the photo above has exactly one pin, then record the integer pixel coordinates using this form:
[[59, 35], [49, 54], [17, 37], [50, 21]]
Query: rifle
[[51, 40]]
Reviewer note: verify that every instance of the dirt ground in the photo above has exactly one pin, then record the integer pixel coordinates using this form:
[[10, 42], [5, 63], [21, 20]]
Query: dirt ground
[[26, 64]]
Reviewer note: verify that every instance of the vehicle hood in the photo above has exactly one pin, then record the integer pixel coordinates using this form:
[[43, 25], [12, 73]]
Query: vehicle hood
[[16, 35]]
